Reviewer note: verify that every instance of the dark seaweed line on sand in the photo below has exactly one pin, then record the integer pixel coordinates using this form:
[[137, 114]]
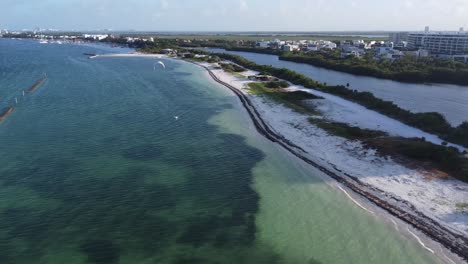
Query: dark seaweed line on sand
[[455, 242]]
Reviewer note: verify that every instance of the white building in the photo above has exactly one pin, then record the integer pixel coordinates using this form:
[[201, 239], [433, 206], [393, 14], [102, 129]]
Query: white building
[[263, 44], [349, 51], [312, 47], [329, 45], [447, 43], [94, 36], [290, 47], [398, 37], [319, 44]]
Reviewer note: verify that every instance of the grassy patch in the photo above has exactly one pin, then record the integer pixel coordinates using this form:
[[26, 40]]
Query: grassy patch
[[346, 131], [238, 75], [446, 159], [229, 67], [462, 206], [293, 100], [277, 85]]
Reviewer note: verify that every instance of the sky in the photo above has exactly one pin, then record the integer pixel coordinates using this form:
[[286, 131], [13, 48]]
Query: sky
[[235, 15]]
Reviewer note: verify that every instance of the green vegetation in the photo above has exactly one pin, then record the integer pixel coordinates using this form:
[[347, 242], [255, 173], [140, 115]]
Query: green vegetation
[[406, 69], [229, 67], [446, 159], [144, 46], [277, 85], [255, 50], [346, 131], [429, 122], [461, 206], [293, 100]]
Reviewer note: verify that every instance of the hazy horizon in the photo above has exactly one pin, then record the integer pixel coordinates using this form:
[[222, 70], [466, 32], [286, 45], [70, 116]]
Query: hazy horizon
[[234, 15]]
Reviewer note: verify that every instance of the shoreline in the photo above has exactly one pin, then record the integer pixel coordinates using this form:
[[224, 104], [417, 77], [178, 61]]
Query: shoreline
[[397, 207]]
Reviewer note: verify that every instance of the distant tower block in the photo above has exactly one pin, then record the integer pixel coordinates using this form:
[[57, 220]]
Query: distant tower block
[[426, 29], [462, 29]]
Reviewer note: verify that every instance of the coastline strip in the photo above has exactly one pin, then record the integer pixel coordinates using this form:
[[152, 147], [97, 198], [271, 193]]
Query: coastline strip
[[402, 209], [6, 113]]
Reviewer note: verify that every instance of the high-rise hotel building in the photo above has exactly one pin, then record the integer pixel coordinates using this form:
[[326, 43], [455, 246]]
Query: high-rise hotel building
[[446, 43]]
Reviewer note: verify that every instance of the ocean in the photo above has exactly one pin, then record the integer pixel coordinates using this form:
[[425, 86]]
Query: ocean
[[96, 168]]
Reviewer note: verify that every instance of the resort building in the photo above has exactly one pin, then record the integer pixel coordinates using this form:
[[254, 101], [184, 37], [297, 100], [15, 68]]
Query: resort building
[[263, 44], [446, 43], [290, 47], [351, 51], [398, 37], [94, 36]]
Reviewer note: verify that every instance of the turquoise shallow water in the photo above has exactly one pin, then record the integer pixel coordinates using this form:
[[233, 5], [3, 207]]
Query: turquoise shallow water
[[94, 168]]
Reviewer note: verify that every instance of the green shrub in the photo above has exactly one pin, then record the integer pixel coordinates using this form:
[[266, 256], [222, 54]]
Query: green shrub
[[277, 85]]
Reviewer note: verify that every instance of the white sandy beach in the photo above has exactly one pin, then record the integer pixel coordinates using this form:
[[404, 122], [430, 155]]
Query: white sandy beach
[[435, 197]]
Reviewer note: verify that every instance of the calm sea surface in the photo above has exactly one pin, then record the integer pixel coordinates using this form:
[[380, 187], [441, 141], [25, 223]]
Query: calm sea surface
[[449, 100], [94, 168]]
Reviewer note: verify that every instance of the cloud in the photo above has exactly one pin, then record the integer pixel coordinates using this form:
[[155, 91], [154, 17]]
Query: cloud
[[164, 4], [408, 4], [243, 5]]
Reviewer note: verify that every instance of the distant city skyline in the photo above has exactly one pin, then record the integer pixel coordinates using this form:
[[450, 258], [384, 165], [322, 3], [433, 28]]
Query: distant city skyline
[[235, 15]]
